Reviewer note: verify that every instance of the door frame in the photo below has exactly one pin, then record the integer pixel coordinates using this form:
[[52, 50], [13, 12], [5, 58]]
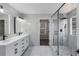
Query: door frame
[[3, 25], [48, 33]]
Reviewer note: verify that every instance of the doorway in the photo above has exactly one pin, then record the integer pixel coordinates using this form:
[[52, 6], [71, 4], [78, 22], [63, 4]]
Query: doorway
[[44, 32], [1, 29]]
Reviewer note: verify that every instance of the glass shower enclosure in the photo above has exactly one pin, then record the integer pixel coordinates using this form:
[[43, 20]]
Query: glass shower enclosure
[[64, 36]]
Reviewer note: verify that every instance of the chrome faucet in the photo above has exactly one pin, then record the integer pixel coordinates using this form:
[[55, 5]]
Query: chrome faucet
[[4, 37], [20, 33]]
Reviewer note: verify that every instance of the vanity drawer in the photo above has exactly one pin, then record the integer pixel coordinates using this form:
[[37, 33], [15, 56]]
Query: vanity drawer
[[23, 50], [23, 43], [13, 45], [18, 47], [13, 49], [23, 47], [10, 46]]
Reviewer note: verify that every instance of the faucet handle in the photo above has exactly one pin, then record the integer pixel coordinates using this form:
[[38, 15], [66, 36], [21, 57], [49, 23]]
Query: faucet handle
[[20, 33], [5, 36]]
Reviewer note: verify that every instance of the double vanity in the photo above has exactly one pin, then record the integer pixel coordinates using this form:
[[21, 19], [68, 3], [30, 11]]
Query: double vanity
[[14, 46]]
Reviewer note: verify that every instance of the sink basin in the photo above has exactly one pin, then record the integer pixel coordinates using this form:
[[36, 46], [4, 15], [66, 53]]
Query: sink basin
[[12, 39], [1, 38]]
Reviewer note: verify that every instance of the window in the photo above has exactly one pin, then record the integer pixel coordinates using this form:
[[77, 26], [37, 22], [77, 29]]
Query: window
[[73, 25]]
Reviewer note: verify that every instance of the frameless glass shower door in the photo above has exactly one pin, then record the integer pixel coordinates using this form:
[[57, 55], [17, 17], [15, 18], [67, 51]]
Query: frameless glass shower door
[[55, 45], [64, 36], [67, 22]]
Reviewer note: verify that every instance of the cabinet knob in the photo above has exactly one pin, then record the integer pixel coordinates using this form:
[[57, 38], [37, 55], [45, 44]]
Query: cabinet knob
[[23, 40], [23, 50], [15, 51], [16, 44], [22, 43], [22, 46]]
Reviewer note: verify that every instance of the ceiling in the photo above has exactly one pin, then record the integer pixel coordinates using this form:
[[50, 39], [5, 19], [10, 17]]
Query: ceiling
[[36, 8]]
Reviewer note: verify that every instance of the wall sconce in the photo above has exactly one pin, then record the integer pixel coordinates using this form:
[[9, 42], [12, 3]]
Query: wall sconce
[[1, 9], [20, 19]]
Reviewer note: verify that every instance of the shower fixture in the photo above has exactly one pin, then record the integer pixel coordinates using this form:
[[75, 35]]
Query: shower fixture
[[62, 16]]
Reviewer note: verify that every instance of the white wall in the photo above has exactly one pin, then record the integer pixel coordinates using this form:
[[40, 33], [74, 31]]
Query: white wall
[[77, 26], [34, 27], [51, 31]]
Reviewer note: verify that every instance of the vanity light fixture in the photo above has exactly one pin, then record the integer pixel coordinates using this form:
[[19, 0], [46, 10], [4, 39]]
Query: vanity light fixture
[[20, 20], [1, 9]]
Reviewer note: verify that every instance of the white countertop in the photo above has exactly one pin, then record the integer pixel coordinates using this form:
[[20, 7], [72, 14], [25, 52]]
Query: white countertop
[[13, 39]]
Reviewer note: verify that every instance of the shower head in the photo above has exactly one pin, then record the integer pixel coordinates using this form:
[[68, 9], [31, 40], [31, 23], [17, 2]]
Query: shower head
[[62, 16]]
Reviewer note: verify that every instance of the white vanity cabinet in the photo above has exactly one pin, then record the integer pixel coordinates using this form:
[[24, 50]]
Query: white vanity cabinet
[[24, 43], [15, 48]]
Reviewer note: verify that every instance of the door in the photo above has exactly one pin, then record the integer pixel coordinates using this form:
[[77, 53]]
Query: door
[[1, 29], [44, 32]]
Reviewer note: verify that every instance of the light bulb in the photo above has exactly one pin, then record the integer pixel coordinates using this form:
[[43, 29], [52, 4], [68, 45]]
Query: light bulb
[[2, 10]]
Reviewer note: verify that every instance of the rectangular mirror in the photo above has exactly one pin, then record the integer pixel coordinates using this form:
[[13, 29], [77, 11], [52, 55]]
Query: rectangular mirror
[[6, 25], [18, 25], [5, 19]]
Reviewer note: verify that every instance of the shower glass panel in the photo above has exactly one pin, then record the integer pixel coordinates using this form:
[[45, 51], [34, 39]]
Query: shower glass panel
[[65, 44], [63, 33], [55, 45]]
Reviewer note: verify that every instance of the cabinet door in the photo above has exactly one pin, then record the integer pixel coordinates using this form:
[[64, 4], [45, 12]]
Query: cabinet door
[[12, 49], [17, 48], [20, 47], [23, 46], [26, 41]]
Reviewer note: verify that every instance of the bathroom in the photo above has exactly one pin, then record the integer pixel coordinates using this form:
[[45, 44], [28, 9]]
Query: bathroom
[[39, 29]]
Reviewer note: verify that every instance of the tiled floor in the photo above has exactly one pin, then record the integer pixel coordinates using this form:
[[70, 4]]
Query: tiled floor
[[63, 51], [39, 51], [46, 51]]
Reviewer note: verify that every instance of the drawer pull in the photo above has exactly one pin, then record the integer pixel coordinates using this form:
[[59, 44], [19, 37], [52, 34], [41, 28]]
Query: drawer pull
[[26, 40], [15, 51], [23, 40], [16, 44], [22, 43], [23, 50], [22, 46]]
